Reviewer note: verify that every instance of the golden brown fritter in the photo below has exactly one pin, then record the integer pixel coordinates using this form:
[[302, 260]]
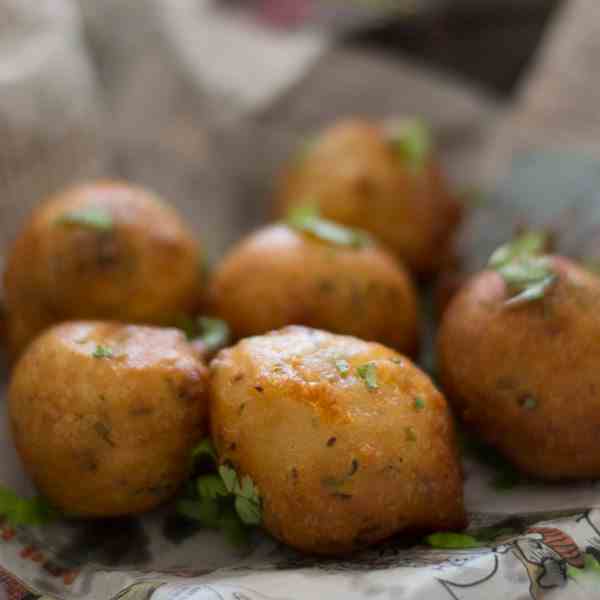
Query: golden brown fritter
[[526, 377], [104, 415], [279, 276], [105, 250], [347, 441], [357, 176]]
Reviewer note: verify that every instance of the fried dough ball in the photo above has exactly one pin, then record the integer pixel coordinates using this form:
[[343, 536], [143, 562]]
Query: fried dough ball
[[104, 250], [279, 276], [347, 441], [104, 415], [360, 176], [526, 377]]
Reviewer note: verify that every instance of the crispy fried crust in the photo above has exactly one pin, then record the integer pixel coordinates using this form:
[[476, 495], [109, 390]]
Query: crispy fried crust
[[279, 277], [106, 436], [145, 268], [338, 466], [357, 178], [526, 379]]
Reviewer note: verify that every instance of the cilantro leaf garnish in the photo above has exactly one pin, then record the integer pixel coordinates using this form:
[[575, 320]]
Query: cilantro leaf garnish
[[93, 218], [248, 489], [307, 219], [449, 540], [232, 526], [590, 570], [343, 367], [419, 403], [532, 243], [452, 541], [25, 511], [368, 373], [211, 486], [102, 352], [527, 273], [218, 499], [204, 449], [213, 333], [412, 140], [248, 510], [229, 477], [204, 510]]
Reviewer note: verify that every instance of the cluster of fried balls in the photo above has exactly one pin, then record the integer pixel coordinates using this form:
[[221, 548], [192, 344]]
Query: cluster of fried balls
[[318, 402]]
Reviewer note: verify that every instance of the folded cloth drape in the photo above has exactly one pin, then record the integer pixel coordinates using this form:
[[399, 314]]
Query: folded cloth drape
[[196, 103]]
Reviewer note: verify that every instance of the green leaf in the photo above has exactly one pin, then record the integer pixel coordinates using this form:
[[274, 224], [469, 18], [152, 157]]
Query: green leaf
[[590, 570], [205, 510], [220, 500], [534, 291], [229, 477], [93, 218], [531, 243], [306, 219], [525, 271], [213, 332], [527, 274], [308, 210], [103, 352], [249, 490], [25, 511], [452, 541], [412, 139], [248, 510], [233, 528], [211, 486], [419, 403], [368, 373], [343, 367], [205, 449]]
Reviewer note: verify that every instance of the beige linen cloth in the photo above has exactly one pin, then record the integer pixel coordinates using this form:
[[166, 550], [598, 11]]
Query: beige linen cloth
[[199, 105], [203, 107]]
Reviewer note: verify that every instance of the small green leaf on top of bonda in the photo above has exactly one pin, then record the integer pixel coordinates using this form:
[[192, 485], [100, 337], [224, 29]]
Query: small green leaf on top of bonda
[[307, 219]]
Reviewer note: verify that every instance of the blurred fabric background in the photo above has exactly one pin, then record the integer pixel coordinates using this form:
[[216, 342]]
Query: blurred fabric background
[[203, 99]]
